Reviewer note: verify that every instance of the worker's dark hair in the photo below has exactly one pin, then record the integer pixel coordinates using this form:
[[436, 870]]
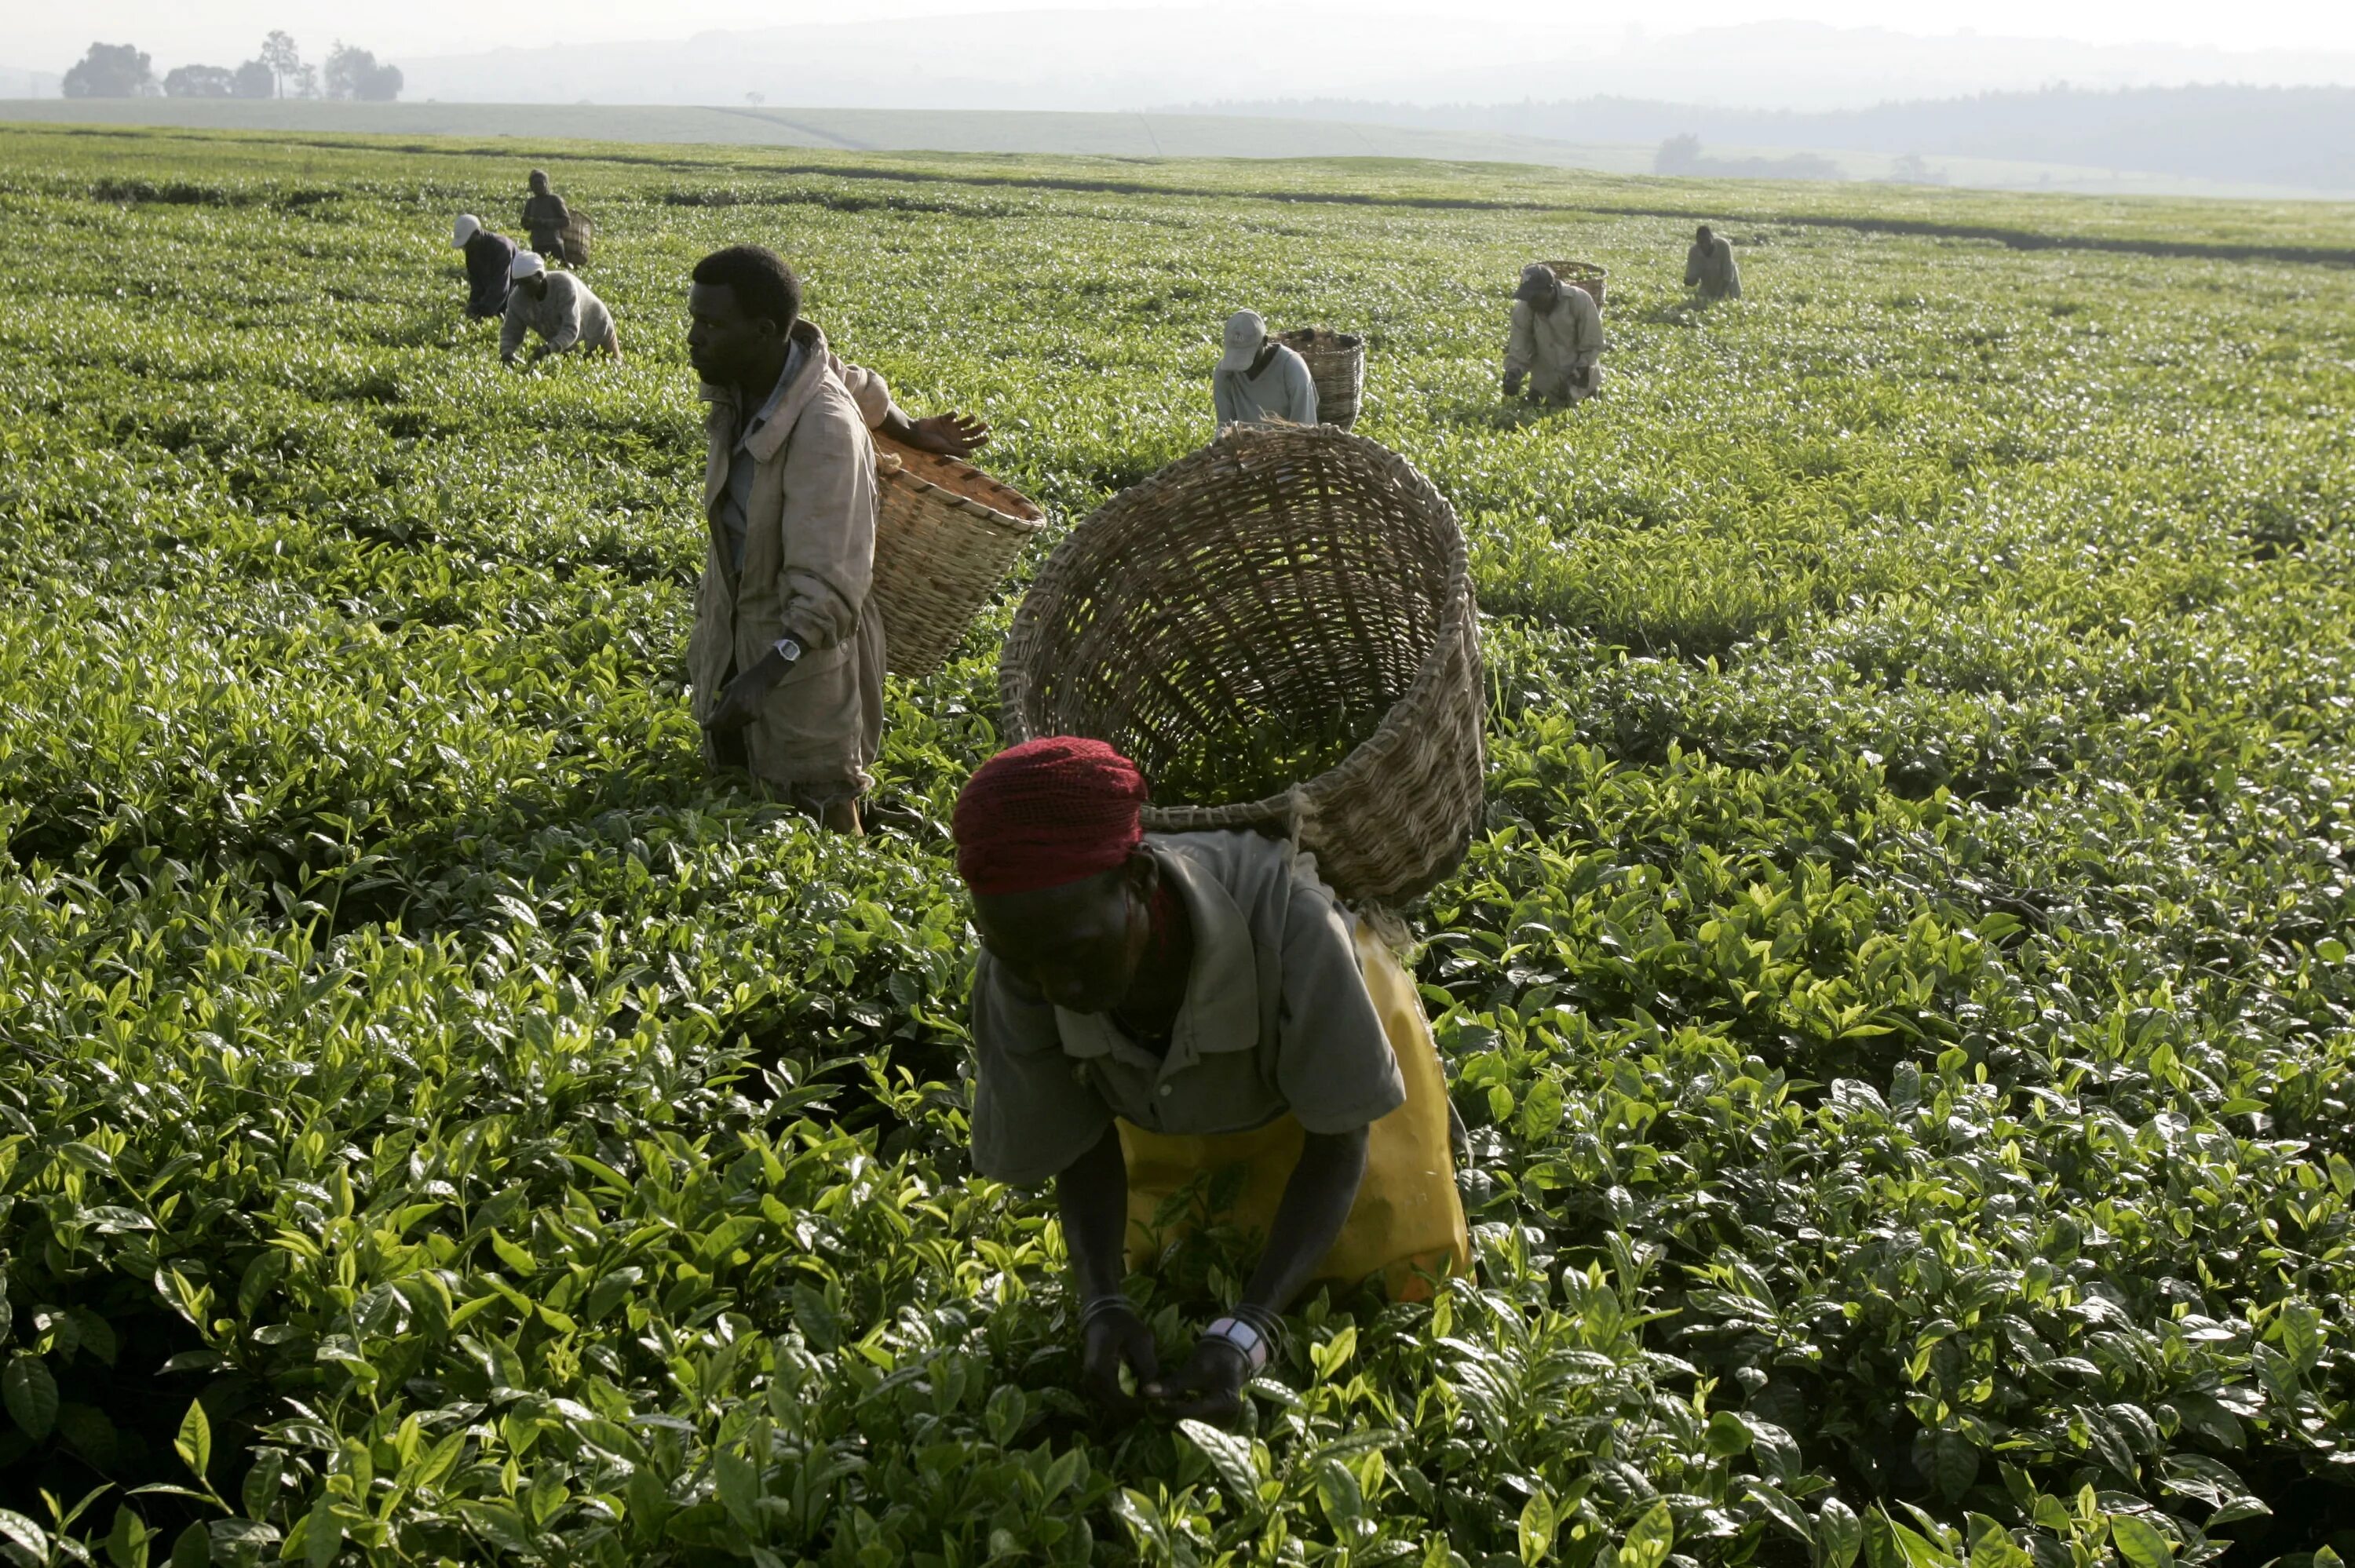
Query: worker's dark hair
[[538, 174], [1702, 232], [764, 285]]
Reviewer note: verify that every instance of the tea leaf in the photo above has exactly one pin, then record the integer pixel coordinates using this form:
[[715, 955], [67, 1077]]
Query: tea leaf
[[31, 1395]]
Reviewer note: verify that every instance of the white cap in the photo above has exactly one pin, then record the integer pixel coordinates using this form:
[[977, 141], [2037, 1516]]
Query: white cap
[[527, 264], [1246, 330], [467, 227]]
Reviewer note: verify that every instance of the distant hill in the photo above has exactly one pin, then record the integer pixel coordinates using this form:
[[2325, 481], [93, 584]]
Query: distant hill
[[851, 129], [2301, 137], [1118, 58], [1152, 135]]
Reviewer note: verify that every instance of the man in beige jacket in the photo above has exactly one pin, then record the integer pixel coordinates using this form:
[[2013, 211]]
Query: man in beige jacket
[[786, 659]]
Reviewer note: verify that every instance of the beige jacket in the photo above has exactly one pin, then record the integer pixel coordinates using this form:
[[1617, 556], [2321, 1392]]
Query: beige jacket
[[1553, 345], [809, 562]]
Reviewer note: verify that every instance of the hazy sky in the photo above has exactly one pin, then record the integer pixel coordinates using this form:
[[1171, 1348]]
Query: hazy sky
[[47, 36]]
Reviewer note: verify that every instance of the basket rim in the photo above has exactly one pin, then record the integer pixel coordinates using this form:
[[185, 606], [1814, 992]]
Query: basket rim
[[899, 470], [1458, 621], [1322, 335]]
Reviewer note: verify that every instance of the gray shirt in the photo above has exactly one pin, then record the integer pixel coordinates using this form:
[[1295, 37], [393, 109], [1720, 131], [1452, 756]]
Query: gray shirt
[[1282, 391], [1711, 269], [734, 499], [567, 315], [1277, 1018]]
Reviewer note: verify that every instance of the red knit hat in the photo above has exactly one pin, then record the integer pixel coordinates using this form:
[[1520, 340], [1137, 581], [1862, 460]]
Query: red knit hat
[[1046, 812]]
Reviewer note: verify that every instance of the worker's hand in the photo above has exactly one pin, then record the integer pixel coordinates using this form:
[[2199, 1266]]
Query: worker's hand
[[1114, 1339], [1512, 383], [950, 435], [1209, 1387], [740, 704]]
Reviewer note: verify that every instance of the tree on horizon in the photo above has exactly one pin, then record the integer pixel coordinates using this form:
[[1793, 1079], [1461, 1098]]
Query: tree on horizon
[[200, 81], [278, 53], [355, 73], [111, 70]]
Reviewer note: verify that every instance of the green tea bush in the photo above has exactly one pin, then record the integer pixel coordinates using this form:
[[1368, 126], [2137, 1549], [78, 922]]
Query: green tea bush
[[1899, 996]]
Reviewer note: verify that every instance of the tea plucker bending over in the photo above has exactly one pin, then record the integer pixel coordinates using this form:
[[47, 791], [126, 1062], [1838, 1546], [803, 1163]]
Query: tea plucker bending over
[[1556, 339], [1708, 266], [1259, 379], [488, 257], [1148, 1010], [556, 306]]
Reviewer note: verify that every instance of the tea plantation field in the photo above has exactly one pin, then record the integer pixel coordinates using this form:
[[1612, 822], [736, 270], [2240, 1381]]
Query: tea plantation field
[[1899, 994]]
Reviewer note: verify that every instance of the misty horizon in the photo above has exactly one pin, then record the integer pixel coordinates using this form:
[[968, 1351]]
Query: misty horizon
[[1136, 60]]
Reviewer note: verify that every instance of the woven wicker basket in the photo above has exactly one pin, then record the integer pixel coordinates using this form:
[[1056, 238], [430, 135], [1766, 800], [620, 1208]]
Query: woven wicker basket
[[1283, 581], [574, 239], [1585, 274], [945, 535], [1337, 362]]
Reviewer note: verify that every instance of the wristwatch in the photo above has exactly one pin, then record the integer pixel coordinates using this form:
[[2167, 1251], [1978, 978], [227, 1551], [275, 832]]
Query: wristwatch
[[785, 648], [1244, 1338]]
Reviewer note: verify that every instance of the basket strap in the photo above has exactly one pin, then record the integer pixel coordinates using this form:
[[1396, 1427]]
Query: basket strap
[[1297, 812]]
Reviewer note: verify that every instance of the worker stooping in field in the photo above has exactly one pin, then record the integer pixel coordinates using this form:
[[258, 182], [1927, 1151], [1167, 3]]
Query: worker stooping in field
[[488, 257], [545, 216], [1556, 339], [787, 657], [1708, 266], [1259, 379], [559, 308], [1151, 1011]]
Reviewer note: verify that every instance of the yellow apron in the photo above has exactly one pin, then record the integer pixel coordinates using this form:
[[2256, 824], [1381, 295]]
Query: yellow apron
[[1407, 1224]]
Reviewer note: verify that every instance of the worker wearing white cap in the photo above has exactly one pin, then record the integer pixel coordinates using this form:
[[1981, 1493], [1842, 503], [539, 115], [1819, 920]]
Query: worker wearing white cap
[[488, 257], [558, 307], [1258, 380], [1556, 339]]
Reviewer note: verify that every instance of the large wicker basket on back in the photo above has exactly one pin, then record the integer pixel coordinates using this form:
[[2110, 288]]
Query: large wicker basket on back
[[945, 535], [1336, 364], [1289, 593], [1583, 274]]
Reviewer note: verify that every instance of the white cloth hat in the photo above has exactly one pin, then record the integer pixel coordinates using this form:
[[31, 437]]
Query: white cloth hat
[[527, 264], [467, 227], [1246, 330]]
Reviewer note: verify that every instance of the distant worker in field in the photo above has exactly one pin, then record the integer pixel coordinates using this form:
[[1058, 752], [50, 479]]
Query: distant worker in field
[[559, 308], [1258, 380], [786, 659], [1556, 339], [488, 257], [545, 216], [1708, 266], [1149, 1010]]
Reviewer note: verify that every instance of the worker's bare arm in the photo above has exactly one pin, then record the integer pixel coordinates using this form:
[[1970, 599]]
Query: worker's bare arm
[[1091, 1196], [1317, 1202], [953, 434]]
